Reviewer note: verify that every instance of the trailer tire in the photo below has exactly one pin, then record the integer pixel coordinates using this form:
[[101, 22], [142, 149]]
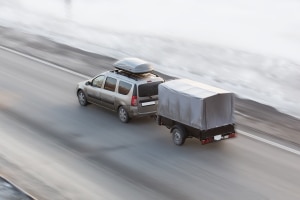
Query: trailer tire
[[178, 135]]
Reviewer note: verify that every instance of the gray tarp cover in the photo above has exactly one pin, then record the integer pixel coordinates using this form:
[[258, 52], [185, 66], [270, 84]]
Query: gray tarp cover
[[195, 104]]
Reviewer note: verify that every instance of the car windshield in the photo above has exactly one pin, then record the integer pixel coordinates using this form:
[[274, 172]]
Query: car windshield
[[148, 89]]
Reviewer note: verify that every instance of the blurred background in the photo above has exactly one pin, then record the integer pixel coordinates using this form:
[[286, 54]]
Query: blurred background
[[236, 45], [53, 148]]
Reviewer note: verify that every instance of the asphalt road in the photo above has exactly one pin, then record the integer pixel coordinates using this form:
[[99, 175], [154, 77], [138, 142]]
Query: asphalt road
[[57, 149]]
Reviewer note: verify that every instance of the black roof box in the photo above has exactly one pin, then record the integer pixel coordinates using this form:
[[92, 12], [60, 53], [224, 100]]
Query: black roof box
[[134, 65]]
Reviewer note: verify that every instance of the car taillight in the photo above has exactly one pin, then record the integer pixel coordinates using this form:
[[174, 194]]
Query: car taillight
[[207, 140], [232, 135], [134, 100]]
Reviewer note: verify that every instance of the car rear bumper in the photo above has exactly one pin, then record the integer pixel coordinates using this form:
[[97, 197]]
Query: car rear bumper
[[134, 112]]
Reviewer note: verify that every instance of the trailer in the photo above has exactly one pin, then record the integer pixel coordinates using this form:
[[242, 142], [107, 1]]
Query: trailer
[[192, 109]]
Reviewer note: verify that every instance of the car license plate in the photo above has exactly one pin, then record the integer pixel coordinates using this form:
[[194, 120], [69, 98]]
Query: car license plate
[[217, 137], [148, 103]]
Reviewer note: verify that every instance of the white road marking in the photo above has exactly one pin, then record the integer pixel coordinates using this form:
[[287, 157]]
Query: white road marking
[[242, 114], [291, 150], [17, 187], [280, 146], [45, 62]]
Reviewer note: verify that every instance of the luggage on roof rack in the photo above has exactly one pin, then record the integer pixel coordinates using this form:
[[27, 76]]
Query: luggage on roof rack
[[134, 65]]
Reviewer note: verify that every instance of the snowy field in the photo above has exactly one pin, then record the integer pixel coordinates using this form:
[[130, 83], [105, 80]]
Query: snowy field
[[251, 47]]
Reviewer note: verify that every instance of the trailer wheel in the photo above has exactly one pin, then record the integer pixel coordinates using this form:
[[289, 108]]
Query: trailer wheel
[[178, 135]]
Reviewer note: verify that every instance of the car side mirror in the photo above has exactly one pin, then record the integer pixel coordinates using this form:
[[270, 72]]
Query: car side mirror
[[88, 83]]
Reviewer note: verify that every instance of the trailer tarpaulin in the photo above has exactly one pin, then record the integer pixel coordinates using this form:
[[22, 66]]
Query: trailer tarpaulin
[[195, 104]]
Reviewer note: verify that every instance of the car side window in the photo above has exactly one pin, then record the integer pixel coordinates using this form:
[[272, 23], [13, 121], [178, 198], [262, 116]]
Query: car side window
[[97, 82], [124, 87], [110, 84]]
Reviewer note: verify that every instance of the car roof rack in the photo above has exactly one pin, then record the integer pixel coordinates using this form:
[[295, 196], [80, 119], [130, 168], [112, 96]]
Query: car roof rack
[[134, 65], [132, 75]]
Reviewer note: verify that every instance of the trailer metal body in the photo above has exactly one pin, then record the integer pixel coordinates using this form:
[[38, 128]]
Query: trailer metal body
[[192, 109]]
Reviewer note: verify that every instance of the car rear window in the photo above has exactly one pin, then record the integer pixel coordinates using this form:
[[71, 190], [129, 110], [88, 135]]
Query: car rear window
[[148, 89], [124, 88]]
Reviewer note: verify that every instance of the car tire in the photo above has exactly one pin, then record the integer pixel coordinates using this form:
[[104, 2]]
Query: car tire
[[82, 98], [123, 115], [178, 135]]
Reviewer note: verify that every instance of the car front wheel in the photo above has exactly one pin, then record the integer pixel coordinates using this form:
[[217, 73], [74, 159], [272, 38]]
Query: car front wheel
[[82, 98]]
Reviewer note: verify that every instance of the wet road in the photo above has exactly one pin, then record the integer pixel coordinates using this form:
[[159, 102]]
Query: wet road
[[127, 161]]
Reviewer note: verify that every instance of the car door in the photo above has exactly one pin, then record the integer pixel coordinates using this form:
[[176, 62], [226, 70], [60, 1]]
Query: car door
[[94, 90], [108, 94]]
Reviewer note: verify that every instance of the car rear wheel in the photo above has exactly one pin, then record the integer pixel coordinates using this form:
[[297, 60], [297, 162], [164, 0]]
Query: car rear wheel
[[178, 135], [82, 98], [123, 115]]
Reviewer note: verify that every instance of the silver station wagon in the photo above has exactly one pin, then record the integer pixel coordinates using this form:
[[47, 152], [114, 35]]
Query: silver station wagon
[[131, 89]]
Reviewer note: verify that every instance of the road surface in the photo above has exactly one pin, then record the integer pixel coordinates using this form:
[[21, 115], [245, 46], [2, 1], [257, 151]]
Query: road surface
[[56, 149]]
